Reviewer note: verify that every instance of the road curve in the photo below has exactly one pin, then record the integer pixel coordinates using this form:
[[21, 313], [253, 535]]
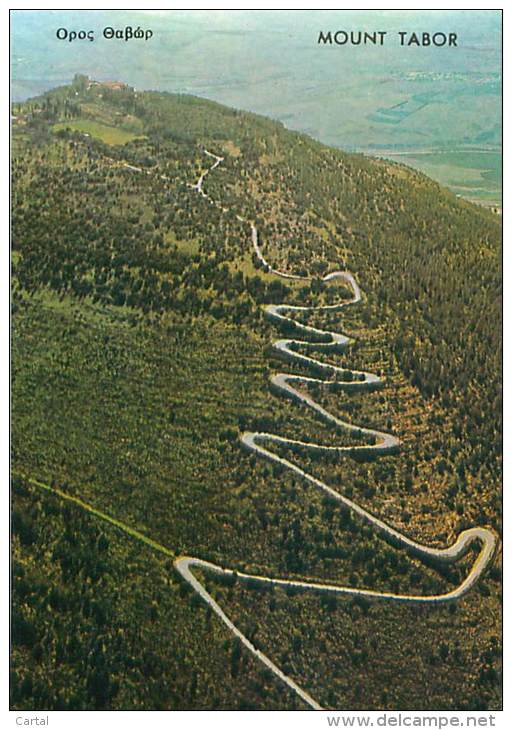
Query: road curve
[[375, 443]]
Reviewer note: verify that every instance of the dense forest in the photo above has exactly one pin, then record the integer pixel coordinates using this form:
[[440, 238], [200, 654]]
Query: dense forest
[[140, 353]]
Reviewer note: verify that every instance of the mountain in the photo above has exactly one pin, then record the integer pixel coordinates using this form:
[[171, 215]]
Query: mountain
[[154, 237]]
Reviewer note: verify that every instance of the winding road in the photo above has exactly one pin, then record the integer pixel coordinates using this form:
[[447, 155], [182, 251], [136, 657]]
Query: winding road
[[375, 443]]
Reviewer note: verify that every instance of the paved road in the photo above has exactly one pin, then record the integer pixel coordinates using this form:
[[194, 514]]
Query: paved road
[[374, 442]]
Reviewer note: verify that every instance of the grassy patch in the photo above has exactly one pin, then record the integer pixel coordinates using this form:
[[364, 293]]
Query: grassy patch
[[109, 135]]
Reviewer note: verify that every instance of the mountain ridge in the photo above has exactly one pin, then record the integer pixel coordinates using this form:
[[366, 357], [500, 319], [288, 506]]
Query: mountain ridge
[[130, 285]]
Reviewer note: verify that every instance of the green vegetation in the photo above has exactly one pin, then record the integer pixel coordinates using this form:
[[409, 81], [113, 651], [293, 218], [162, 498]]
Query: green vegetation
[[140, 354], [109, 135], [472, 174], [101, 623]]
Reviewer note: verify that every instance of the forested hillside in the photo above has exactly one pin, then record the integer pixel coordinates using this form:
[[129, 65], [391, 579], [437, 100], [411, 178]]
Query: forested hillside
[[140, 354]]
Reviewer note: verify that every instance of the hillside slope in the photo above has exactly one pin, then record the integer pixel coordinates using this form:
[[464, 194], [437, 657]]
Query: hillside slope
[[140, 354]]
